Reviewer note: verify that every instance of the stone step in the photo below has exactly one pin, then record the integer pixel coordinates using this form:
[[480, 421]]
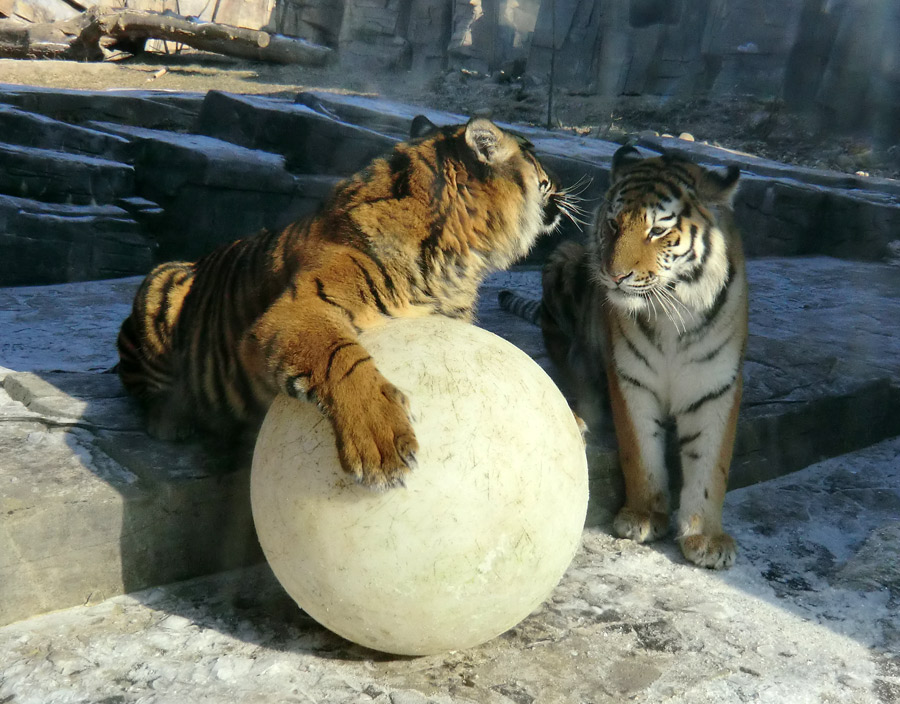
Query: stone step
[[50, 242], [29, 129], [212, 191], [166, 110], [60, 177], [90, 506], [311, 142]]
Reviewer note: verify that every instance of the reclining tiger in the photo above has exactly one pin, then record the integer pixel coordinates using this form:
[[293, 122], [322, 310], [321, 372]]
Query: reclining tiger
[[653, 312], [209, 344]]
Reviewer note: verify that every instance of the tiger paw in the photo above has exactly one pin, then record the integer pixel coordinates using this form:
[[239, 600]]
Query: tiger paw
[[641, 526], [717, 551], [375, 440]]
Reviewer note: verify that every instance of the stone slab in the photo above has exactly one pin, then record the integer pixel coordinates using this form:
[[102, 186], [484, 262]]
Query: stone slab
[[808, 613], [240, 190], [60, 177], [712, 154], [166, 110], [572, 160], [66, 327], [62, 513], [93, 507], [49, 242], [36, 130], [809, 391], [311, 142], [276, 161]]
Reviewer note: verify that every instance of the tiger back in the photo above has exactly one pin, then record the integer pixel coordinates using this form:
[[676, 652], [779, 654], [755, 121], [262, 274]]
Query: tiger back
[[209, 344], [650, 317]]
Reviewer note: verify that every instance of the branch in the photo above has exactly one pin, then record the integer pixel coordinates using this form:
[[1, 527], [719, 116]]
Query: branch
[[79, 38]]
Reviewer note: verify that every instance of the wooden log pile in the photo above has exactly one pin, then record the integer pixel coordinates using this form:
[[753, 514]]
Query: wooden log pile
[[89, 35]]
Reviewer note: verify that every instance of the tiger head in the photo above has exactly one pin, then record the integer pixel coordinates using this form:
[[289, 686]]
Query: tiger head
[[490, 195], [659, 239]]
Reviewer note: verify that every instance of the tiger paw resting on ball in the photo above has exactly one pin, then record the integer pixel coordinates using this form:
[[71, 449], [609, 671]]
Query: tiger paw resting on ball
[[654, 310], [209, 344]]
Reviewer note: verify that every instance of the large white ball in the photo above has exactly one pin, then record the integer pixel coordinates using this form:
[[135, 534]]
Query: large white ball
[[487, 522]]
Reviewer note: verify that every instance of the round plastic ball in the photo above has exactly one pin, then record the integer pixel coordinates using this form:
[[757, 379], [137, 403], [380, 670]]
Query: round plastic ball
[[482, 532]]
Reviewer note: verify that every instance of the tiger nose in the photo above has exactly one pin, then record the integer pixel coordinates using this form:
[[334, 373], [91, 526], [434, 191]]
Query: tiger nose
[[619, 278]]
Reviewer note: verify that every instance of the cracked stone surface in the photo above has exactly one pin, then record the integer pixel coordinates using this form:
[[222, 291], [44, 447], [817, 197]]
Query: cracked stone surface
[[808, 614]]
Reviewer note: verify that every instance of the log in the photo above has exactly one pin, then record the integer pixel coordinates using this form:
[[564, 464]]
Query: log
[[80, 38]]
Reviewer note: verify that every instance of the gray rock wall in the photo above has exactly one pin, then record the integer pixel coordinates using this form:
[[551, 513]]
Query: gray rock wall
[[839, 57]]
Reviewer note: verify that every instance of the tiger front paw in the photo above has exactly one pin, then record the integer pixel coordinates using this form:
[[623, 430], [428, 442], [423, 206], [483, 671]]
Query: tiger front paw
[[716, 551], [375, 440], [641, 526]]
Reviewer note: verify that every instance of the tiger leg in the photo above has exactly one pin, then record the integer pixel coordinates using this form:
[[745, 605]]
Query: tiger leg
[[147, 359], [706, 439], [641, 442], [568, 330], [311, 352]]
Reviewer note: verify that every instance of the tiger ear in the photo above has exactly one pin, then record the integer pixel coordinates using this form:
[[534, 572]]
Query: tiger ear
[[623, 157], [490, 144], [421, 127], [716, 187]]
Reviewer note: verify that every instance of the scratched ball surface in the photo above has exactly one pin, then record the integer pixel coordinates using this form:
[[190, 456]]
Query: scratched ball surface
[[484, 529]]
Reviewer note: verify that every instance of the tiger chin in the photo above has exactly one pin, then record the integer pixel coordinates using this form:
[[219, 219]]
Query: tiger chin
[[652, 314], [209, 344]]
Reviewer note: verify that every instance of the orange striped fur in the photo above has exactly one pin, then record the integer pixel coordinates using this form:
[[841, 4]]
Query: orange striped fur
[[210, 344]]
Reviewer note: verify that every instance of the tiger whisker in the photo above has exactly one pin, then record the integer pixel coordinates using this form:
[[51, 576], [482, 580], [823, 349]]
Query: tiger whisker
[[571, 199], [667, 291], [648, 296], [578, 210], [671, 301], [579, 187], [669, 310], [573, 213]]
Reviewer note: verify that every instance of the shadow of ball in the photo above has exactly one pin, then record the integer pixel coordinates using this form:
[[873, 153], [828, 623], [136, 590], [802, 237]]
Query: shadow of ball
[[484, 529]]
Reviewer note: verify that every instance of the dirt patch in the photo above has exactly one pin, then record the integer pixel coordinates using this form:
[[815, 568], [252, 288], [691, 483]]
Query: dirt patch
[[748, 124]]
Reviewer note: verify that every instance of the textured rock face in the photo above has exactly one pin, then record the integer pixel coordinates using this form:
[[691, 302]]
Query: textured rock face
[[839, 57]]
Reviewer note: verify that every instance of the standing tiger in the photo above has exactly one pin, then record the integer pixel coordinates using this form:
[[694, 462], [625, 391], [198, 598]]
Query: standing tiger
[[211, 343], [654, 309]]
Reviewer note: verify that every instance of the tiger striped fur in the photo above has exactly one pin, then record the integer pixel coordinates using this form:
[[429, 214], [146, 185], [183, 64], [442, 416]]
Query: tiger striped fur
[[210, 343], [654, 311]]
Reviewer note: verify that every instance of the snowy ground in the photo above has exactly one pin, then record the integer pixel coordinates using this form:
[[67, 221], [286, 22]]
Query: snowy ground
[[807, 615]]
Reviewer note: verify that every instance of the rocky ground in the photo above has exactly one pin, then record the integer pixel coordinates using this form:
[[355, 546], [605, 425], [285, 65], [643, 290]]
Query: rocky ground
[[753, 125]]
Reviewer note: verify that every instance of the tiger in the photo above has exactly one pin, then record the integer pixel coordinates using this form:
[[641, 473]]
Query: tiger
[[650, 315], [209, 344]]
